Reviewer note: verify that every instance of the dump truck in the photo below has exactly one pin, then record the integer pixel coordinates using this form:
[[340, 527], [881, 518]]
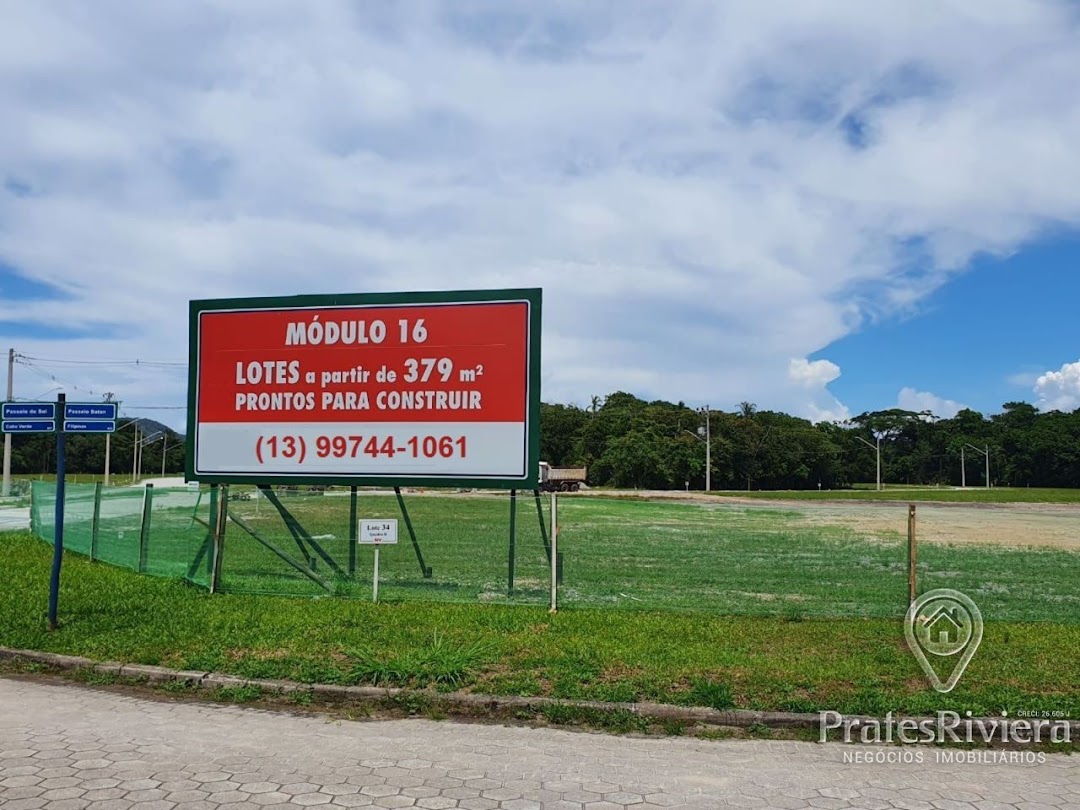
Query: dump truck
[[561, 479]]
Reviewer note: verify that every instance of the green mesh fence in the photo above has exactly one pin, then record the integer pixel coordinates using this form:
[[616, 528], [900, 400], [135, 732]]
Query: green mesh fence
[[618, 553], [108, 525], [459, 549], [300, 542]]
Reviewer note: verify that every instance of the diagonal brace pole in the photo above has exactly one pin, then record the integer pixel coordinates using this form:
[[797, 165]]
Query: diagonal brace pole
[[281, 554], [543, 525], [298, 532], [424, 568], [208, 541]]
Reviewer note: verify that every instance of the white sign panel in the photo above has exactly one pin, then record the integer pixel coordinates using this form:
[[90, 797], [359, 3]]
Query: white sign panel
[[378, 532]]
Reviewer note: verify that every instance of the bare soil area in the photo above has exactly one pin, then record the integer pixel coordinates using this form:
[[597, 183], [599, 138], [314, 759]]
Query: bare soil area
[[1020, 524]]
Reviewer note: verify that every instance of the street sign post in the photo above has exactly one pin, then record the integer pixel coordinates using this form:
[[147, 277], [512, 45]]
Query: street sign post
[[58, 523], [72, 417], [90, 417]]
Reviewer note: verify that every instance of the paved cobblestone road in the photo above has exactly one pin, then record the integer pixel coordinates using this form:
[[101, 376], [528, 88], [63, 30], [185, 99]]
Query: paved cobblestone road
[[64, 747]]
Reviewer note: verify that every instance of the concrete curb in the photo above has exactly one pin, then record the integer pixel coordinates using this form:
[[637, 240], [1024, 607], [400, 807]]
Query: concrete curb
[[466, 703], [450, 700]]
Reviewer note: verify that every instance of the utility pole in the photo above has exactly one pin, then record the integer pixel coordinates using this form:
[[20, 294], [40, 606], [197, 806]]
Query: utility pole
[[708, 451], [135, 455], [140, 449], [986, 453], [164, 448], [963, 470], [877, 448], [108, 442], [6, 490]]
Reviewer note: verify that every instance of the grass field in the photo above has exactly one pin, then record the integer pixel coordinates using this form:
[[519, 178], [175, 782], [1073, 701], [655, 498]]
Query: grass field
[[617, 554], [854, 665]]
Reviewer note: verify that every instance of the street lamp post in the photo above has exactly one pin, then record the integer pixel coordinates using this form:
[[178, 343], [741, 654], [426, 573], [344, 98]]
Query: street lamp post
[[135, 451], [705, 435], [135, 455], [108, 445], [986, 453], [708, 451], [877, 449], [139, 447]]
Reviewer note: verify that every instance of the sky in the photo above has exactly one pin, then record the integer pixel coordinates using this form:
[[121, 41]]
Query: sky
[[819, 207]]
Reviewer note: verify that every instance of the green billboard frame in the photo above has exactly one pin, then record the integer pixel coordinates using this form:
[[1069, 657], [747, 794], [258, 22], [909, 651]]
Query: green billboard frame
[[532, 296]]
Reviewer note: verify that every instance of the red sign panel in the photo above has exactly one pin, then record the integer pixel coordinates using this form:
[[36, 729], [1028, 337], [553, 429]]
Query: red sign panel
[[393, 388]]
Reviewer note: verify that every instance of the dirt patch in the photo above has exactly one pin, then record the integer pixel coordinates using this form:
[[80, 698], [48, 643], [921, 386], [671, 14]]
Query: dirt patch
[[1040, 525], [1020, 525]]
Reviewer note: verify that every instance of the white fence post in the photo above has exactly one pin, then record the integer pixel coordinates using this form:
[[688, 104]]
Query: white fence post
[[554, 553]]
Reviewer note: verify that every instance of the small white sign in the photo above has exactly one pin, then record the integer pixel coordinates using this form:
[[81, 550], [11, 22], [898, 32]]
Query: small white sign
[[378, 532]]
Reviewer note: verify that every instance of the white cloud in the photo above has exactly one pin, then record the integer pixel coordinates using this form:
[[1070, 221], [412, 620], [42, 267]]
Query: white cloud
[[1023, 379], [704, 190], [812, 375], [912, 400], [1059, 390], [817, 403], [837, 412]]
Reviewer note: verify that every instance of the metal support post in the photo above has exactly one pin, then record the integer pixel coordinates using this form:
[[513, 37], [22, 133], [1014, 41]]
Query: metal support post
[[97, 521], [144, 529], [352, 531], [58, 536], [513, 542]]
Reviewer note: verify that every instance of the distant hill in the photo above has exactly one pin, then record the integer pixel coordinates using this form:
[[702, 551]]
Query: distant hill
[[149, 427]]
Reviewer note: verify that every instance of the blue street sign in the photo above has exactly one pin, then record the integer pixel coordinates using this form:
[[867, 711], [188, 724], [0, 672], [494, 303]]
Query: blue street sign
[[28, 410], [29, 426], [90, 410], [89, 426]]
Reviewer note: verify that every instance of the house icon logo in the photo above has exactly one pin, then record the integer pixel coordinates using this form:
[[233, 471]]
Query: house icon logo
[[946, 631], [943, 624]]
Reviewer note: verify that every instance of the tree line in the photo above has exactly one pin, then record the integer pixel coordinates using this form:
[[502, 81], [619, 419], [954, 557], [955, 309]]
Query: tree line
[[628, 442]]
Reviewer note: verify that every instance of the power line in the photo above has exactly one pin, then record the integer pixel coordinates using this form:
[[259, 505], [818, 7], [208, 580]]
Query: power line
[[136, 362], [34, 364], [23, 360]]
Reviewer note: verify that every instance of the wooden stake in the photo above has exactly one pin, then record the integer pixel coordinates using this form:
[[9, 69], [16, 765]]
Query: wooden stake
[[911, 551]]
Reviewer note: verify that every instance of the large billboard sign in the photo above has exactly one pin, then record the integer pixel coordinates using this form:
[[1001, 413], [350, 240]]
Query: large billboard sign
[[434, 388]]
